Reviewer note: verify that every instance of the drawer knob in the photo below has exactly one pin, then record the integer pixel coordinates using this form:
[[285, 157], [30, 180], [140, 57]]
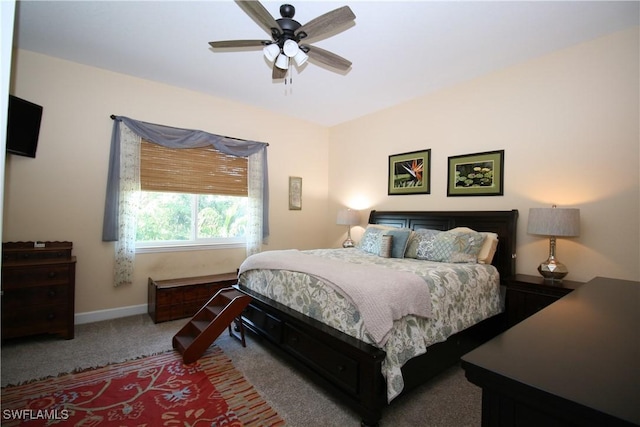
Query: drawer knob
[[51, 293], [51, 316], [52, 274]]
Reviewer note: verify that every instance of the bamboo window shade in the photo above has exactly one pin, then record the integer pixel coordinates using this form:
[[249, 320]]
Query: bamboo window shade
[[191, 170]]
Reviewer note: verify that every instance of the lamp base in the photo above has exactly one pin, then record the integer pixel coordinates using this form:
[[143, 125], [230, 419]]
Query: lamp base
[[553, 270], [348, 243]]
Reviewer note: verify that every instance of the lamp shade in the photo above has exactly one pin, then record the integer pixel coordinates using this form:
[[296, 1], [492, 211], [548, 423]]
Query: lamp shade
[[282, 62], [271, 51], [300, 57], [290, 48], [554, 222], [348, 217]]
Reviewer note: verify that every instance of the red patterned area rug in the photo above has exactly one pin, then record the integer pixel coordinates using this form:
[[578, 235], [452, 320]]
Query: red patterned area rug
[[153, 391]]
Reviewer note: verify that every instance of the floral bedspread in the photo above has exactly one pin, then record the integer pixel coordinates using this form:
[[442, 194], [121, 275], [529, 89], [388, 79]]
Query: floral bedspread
[[461, 296]]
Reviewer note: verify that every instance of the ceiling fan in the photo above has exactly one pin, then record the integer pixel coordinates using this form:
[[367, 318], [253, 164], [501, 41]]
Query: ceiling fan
[[288, 35]]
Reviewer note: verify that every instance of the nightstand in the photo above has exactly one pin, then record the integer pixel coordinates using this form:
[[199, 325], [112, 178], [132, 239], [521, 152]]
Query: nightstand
[[526, 295]]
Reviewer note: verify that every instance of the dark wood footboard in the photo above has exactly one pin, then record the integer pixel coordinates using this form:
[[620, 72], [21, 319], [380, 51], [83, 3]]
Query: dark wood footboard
[[345, 366], [348, 368]]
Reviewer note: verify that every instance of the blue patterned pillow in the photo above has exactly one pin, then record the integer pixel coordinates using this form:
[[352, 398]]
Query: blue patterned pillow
[[371, 240], [457, 246], [421, 244]]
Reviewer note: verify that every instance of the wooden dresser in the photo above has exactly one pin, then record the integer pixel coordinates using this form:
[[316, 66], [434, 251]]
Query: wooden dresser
[[38, 289], [574, 363]]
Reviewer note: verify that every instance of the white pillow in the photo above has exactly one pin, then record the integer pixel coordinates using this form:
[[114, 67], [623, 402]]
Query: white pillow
[[382, 226], [489, 247]]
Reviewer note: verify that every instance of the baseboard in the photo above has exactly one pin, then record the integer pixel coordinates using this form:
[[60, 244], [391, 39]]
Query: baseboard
[[113, 313]]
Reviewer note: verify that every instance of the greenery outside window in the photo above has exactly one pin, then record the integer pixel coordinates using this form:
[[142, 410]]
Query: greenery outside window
[[190, 198]]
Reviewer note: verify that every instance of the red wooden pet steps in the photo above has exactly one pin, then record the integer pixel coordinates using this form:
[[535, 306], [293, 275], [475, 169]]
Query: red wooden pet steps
[[218, 314]]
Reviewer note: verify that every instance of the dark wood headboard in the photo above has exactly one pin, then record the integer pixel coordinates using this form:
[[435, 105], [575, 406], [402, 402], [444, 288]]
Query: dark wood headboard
[[504, 223]]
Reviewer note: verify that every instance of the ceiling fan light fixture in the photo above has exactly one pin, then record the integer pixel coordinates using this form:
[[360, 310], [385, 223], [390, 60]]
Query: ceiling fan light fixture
[[290, 48], [300, 57], [282, 62], [271, 51], [287, 34]]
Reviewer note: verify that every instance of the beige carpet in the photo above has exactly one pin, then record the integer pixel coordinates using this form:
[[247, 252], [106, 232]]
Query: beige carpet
[[447, 401]]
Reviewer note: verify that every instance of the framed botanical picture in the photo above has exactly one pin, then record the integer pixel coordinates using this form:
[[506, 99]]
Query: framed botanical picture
[[478, 174], [410, 173], [295, 193]]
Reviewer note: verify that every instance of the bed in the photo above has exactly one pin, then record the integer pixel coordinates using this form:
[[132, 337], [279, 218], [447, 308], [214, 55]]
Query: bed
[[365, 370]]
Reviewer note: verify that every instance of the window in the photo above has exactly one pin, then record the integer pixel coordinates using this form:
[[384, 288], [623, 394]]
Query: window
[[191, 197]]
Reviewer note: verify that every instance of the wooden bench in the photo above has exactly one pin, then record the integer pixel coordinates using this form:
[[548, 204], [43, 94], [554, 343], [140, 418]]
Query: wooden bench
[[179, 298]]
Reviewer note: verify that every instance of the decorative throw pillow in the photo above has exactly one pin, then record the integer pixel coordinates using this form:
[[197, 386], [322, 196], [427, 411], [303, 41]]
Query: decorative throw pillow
[[420, 244], [457, 246], [489, 245], [400, 240], [371, 240], [385, 246]]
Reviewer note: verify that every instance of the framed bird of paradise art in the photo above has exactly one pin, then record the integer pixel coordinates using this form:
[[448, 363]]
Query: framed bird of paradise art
[[410, 173]]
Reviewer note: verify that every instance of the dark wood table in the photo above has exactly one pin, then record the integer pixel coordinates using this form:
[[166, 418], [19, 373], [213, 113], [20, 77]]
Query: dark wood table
[[576, 362]]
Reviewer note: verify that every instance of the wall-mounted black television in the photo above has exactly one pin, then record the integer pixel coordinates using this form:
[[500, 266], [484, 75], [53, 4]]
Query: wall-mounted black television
[[23, 127]]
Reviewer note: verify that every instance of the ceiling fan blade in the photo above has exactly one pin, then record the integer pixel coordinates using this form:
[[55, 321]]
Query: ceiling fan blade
[[238, 43], [258, 12], [327, 23], [328, 58], [278, 73]]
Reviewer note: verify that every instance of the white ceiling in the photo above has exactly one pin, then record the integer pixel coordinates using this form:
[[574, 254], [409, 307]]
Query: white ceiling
[[399, 49]]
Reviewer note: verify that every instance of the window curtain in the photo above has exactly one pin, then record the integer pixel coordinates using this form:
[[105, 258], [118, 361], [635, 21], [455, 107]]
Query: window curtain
[[123, 183]]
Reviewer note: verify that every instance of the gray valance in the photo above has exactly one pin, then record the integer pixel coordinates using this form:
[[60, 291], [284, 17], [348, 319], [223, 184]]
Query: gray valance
[[173, 138]]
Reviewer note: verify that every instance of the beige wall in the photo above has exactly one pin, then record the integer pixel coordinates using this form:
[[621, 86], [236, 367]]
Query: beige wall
[[568, 123], [59, 195]]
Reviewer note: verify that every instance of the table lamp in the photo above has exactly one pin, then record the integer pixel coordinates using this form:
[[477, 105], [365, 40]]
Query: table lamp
[[554, 222], [348, 217]]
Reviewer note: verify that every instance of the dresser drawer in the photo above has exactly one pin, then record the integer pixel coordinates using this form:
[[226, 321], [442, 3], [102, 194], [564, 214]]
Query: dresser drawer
[[35, 320], [19, 298], [27, 251], [22, 256], [35, 275]]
